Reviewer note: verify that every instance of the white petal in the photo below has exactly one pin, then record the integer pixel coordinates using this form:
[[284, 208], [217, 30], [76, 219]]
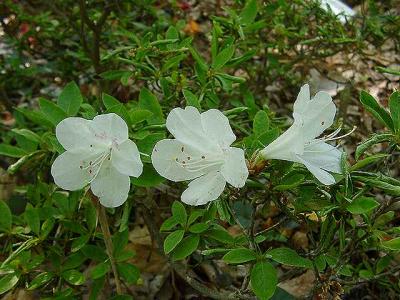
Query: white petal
[[186, 126], [314, 115], [234, 169], [69, 169], [286, 146], [111, 186], [110, 127], [175, 161], [324, 156], [204, 189], [126, 159], [76, 133], [217, 127], [323, 176]]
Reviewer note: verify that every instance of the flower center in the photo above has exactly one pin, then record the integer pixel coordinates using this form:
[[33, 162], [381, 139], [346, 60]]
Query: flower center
[[93, 166], [199, 163]]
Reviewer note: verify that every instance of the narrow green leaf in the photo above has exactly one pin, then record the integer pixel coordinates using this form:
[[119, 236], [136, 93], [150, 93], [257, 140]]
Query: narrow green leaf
[[239, 256], [53, 112], [70, 99], [394, 105], [40, 280], [100, 270], [223, 57], [6, 217], [249, 13], [200, 61], [172, 240], [373, 140], [263, 279], [186, 247], [149, 102], [376, 110], [191, 99], [7, 282], [73, 277], [362, 205], [179, 213], [260, 123], [289, 257], [393, 244], [12, 151], [32, 218], [128, 272]]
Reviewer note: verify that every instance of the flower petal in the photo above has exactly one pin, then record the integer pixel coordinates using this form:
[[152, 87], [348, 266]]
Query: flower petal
[[234, 169], [126, 159], [111, 186], [76, 133], [204, 189], [323, 155], [171, 159], [217, 127], [186, 126], [68, 172], [313, 115], [323, 176], [110, 127], [286, 146]]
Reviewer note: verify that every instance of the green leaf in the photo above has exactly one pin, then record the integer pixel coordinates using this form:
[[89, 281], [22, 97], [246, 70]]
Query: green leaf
[[40, 280], [200, 61], [109, 101], [179, 213], [373, 140], [100, 270], [79, 242], [367, 161], [394, 106], [191, 99], [70, 99], [115, 74], [223, 57], [362, 205], [220, 235], [128, 272], [290, 181], [239, 256], [7, 282], [289, 257], [6, 217], [140, 115], [376, 110], [73, 277], [149, 177], [198, 227], [260, 123], [393, 244], [120, 240], [169, 224], [12, 151], [186, 247], [173, 62], [30, 135], [149, 102], [32, 218], [172, 240], [53, 113], [249, 13], [114, 106], [263, 279]]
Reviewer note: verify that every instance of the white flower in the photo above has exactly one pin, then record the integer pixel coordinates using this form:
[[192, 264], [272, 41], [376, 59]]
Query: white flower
[[338, 8], [299, 143], [200, 152], [99, 153]]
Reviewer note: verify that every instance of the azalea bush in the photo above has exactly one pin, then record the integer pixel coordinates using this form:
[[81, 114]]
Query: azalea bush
[[183, 150]]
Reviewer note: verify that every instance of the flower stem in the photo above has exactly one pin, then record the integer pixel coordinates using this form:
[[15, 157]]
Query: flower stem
[[109, 246]]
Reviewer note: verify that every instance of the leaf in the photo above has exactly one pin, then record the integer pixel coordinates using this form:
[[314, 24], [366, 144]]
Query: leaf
[[373, 140], [172, 240], [100, 270], [289, 257], [73, 277], [120, 240], [263, 279], [114, 106], [223, 57], [260, 123], [367, 161], [168, 224], [186, 247], [70, 99], [12, 151], [376, 110], [7, 282], [40, 280], [128, 272], [393, 244], [200, 61], [149, 102], [173, 62], [198, 227], [394, 106], [148, 178], [362, 205], [249, 12], [191, 99], [115, 74], [53, 113], [179, 213], [109, 101], [79, 242], [6, 217], [140, 115], [30, 135], [239, 256], [32, 218]]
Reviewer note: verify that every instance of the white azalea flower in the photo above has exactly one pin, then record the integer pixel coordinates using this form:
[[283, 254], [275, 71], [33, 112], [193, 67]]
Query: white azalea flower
[[99, 153], [338, 8], [200, 152], [300, 143]]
